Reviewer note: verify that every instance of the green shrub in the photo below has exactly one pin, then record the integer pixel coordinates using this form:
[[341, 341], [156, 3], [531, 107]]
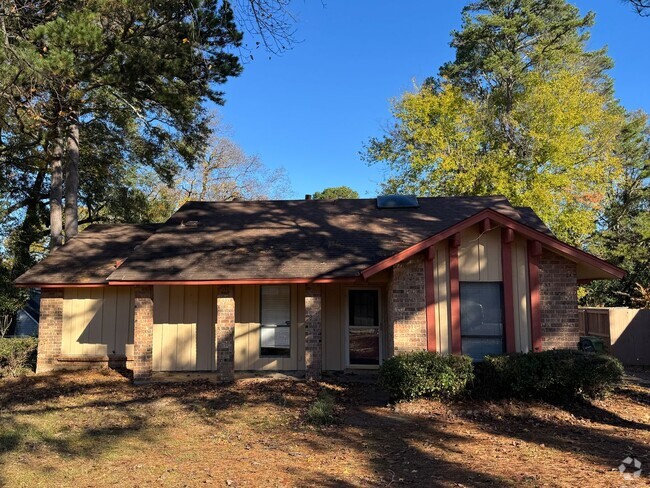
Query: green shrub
[[17, 355], [321, 412], [425, 374], [549, 375]]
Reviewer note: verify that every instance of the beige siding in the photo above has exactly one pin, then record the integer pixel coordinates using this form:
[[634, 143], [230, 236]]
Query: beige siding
[[479, 259], [97, 321], [247, 332], [333, 328], [521, 300], [479, 255], [183, 332], [441, 282]]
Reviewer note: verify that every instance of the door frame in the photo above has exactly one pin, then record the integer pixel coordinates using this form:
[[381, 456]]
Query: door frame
[[345, 313]]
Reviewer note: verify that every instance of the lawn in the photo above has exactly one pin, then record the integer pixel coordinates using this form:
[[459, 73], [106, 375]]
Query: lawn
[[96, 429]]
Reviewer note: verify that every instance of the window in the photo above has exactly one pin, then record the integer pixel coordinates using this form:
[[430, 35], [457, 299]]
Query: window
[[481, 318], [363, 327], [275, 321]]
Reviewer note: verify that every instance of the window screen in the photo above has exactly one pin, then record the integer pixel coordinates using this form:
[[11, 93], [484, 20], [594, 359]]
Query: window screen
[[364, 308], [481, 318], [275, 321], [363, 331]]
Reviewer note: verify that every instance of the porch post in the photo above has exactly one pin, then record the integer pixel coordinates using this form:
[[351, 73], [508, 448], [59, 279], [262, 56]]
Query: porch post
[[429, 289], [534, 254], [142, 334], [225, 333], [454, 294], [313, 335], [50, 329]]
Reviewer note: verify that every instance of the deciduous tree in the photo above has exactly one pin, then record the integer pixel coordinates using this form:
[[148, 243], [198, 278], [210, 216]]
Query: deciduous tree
[[524, 111], [334, 192]]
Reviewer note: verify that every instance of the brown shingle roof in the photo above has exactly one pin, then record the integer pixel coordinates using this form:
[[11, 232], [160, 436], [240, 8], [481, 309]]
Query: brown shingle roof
[[314, 239], [530, 218], [90, 257]]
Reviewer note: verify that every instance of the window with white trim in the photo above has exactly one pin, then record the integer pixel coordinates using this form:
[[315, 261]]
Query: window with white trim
[[275, 321]]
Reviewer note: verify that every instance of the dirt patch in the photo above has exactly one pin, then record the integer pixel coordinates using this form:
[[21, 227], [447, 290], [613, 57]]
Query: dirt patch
[[97, 429]]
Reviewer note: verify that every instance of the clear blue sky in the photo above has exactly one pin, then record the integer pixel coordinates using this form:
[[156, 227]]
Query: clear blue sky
[[312, 109]]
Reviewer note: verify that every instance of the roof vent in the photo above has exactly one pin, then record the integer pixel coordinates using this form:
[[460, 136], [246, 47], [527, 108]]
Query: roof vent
[[190, 223], [397, 201]]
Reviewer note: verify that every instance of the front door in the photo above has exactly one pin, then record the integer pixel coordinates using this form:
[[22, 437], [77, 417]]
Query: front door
[[363, 319]]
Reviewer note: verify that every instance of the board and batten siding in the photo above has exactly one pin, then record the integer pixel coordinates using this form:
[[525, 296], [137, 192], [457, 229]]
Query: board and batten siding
[[97, 321], [521, 299], [247, 331], [184, 327], [479, 259], [479, 255], [441, 297]]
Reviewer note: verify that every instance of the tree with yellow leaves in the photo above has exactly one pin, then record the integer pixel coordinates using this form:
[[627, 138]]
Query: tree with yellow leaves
[[524, 111]]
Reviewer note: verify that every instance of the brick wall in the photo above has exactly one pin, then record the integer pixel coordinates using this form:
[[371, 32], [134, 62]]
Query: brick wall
[[313, 332], [558, 288], [225, 333], [142, 333], [50, 329], [407, 306]]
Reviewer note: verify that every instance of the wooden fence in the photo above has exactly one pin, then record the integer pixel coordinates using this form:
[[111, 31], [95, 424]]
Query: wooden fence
[[626, 332]]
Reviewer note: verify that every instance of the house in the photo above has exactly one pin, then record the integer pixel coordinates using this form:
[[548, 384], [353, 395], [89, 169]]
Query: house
[[310, 285]]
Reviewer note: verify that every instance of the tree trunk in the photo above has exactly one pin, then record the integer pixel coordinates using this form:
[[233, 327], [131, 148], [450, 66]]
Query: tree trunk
[[56, 193], [72, 183]]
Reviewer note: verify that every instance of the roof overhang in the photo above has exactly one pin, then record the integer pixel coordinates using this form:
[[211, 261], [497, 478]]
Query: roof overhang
[[590, 267]]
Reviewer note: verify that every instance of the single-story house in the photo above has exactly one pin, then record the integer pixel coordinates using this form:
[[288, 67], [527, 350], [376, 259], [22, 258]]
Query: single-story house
[[310, 285]]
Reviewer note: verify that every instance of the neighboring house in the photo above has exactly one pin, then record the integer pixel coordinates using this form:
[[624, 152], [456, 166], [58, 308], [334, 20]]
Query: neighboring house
[[27, 317], [310, 285]]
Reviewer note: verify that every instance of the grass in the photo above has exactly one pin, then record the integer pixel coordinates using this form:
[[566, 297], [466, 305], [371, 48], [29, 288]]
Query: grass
[[97, 429], [321, 412]]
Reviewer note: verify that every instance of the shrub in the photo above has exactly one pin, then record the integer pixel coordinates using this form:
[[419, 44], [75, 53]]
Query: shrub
[[425, 374], [17, 355], [549, 375], [321, 412]]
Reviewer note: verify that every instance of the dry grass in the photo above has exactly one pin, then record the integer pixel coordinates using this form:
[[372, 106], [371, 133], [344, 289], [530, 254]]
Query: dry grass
[[96, 429]]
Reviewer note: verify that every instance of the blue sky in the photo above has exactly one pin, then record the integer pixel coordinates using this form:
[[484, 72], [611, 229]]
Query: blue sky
[[312, 109]]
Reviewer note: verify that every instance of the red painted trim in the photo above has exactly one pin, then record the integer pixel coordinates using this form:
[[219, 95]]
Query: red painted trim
[[535, 304], [535, 248], [254, 281], [430, 292], [62, 285], [508, 290], [454, 298], [508, 235], [548, 241], [484, 226]]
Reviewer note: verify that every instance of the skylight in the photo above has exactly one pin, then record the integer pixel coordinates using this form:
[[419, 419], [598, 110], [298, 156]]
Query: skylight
[[397, 201]]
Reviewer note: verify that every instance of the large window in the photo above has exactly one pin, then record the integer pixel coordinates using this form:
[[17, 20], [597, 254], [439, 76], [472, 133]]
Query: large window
[[363, 327], [481, 318], [275, 321]]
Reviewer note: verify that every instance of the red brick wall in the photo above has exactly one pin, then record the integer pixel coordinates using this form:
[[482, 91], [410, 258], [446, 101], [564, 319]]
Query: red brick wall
[[225, 333], [313, 332], [50, 328], [407, 306], [143, 333], [558, 288]]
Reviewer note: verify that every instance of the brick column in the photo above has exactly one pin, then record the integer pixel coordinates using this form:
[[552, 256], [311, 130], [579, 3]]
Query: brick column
[[558, 296], [225, 333], [313, 332], [50, 329], [407, 306], [143, 334]]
